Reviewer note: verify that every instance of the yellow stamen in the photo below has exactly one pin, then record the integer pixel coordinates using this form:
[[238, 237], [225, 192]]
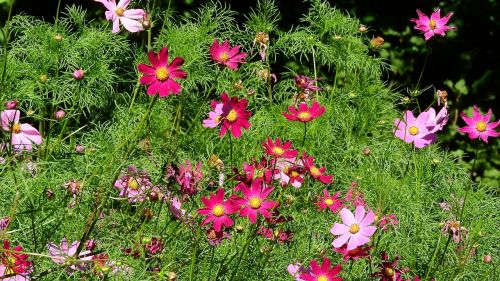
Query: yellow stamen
[[432, 24], [232, 116], [315, 171], [119, 11], [278, 151], [481, 126], [388, 271], [218, 210], [304, 116], [328, 202], [132, 183], [162, 73], [413, 131], [354, 228], [294, 174], [255, 202], [322, 278], [16, 128], [224, 56]]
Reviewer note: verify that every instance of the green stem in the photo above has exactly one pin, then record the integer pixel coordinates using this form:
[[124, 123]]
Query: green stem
[[429, 50], [250, 237], [231, 149], [212, 250], [305, 134], [431, 261], [441, 259], [167, 11], [460, 218], [194, 254]]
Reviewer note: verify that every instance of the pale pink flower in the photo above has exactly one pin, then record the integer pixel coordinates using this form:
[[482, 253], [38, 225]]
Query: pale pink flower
[[64, 254], [78, 74], [214, 117], [296, 269], [437, 121], [289, 172], [479, 126], [355, 230], [131, 19], [175, 208], [4, 223], [414, 130], [22, 135], [433, 25]]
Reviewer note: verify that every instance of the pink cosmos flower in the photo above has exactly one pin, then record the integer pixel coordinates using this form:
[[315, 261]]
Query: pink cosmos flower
[[387, 220], [435, 25], [12, 104], [330, 201], [437, 121], [296, 270], [131, 19], [289, 172], [214, 117], [355, 230], [234, 115], [175, 208], [160, 75], [134, 185], [227, 56], [64, 254], [414, 130], [479, 125], [22, 135], [14, 266], [277, 149], [218, 210], [315, 172], [322, 273], [4, 223], [259, 171], [306, 83], [304, 113], [189, 178], [253, 201], [389, 270], [354, 254]]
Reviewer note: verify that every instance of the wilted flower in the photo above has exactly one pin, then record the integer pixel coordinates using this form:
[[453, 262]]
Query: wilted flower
[[131, 19], [487, 259], [153, 245], [362, 28], [90, 245], [479, 125], [306, 83], [433, 25], [442, 97], [22, 135], [387, 220], [160, 75], [4, 223], [355, 230], [189, 178], [78, 74], [227, 56], [457, 231], [11, 104], [73, 186], [175, 208], [134, 185], [354, 254], [14, 266], [389, 270], [215, 237], [355, 196], [377, 42], [262, 39], [278, 235], [79, 149]]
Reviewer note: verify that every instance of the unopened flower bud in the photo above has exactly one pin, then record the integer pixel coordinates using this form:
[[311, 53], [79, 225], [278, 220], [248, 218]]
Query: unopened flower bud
[[154, 196], [146, 24], [362, 28], [366, 151], [30, 112], [147, 214], [487, 259], [377, 42], [11, 104], [43, 78], [239, 228], [90, 245], [79, 149], [172, 276], [60, 114], [58, 37], [78, 74]]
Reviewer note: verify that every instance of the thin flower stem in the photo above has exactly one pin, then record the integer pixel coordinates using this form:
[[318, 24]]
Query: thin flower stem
[[305, 134], [194, 254], [165, 19], [430, 263], [231, 149], [212, 250], [429, 51], [314, 68], [57, 15], [249, 239], [441, 259]]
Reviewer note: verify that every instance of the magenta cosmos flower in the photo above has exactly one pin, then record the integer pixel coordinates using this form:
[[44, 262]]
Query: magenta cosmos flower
[[131, 19], [315, 172], [218, 210], [355, 230], [234, 115], [254, 201], [14, 266], [331, 202], [389, 270], [354, 254], [414, 130], [304, 113], [160, 75], [63, 254], [23, 135], [289, 172], [322, 273], [225, 55], [306, 83], [277, 149], [434, 25], [479, 126]]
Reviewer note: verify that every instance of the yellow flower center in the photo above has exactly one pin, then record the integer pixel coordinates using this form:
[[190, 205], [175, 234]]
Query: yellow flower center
[[16, 128], [322, 278], [354, 228], [304, 115], [132, 183], [255, 202], [11, 261], [481, 126], [119, 11], [278, 151], [294, 174], [388, 271], [258, 174], [432, 24], [413, 131], [315, 171], [217, 119], [218, 210], [162, 73], [328, 202], [224, 56], [232, 116]]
